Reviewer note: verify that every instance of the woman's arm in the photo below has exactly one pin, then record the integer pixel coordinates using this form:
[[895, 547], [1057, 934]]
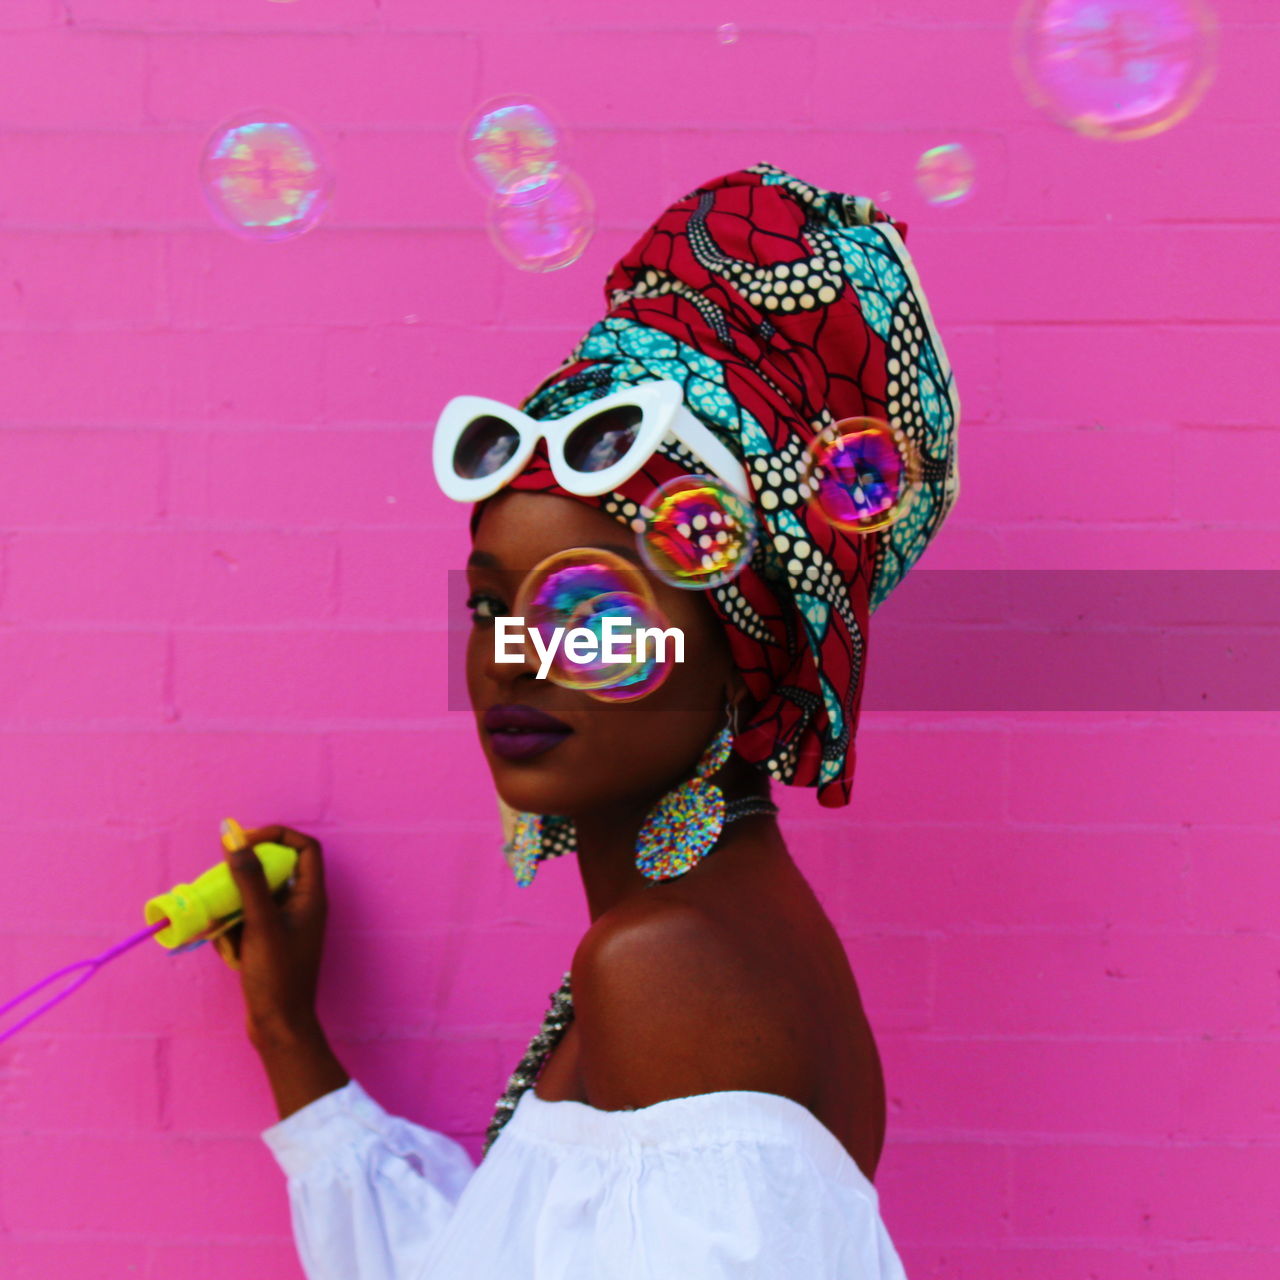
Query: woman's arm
[[371, 1194], [300, 1065]]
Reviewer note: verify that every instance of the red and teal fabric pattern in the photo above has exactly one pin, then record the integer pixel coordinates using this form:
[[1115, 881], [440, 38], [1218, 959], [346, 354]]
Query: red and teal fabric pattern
[[781, 308]]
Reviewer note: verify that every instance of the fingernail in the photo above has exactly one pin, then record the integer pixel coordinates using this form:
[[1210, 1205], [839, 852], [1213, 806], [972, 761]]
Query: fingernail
[[232, 833]]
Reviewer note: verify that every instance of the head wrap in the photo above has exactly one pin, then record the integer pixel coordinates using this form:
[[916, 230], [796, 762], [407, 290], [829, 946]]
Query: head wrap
[[781, 308]]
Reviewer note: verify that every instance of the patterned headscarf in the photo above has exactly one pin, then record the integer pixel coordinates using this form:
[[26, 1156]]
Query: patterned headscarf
[[780, 308]]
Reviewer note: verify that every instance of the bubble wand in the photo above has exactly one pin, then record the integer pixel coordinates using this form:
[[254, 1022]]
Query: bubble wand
[[180, 920]]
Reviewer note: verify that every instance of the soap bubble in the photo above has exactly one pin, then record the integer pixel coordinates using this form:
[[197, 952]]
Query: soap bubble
[[860, 474], [727, 33], [264, 177], [636, 676], [560, 583], [596, 669], [580, 587], [546, 228], [945, 174], [1116, 69], [511, 147], [697, 532]]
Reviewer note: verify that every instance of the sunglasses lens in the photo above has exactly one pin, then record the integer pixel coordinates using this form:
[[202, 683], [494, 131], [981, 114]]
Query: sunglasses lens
[[603, 439], [486, 445]]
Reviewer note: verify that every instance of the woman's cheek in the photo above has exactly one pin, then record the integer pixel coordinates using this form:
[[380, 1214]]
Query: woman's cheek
[[474, 664]]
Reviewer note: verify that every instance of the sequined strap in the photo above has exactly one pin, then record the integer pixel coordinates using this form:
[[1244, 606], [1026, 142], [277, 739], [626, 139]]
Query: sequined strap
[[746, 807], [554, 1025]]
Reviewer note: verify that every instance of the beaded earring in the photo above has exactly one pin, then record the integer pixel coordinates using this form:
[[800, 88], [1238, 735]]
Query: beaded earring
[[678, 831], [531, 838], [687, 821]]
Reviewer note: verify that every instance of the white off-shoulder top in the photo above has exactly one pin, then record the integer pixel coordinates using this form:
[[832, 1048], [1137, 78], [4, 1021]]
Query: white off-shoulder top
[[736, 1184]]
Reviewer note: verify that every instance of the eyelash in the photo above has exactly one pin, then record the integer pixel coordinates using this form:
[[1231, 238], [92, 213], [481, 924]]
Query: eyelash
[[476, 598]]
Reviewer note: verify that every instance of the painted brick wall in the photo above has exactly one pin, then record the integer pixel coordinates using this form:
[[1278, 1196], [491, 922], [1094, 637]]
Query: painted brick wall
[[222, 575]]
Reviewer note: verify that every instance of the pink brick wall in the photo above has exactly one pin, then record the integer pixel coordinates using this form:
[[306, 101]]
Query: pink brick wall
[[222, 575]]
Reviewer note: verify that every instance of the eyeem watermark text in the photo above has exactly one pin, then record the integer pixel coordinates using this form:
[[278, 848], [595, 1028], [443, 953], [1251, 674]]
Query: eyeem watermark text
[[1014, 641], [617, 640]]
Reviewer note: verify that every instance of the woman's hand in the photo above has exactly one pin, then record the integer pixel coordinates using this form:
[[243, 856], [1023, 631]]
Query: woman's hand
[[278, 945]]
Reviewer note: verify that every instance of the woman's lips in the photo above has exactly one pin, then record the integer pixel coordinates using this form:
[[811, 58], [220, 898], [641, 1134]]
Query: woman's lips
[[517, 732]]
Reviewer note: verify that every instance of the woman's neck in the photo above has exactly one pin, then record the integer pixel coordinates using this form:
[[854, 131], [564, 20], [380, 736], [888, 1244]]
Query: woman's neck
[[607, 839]]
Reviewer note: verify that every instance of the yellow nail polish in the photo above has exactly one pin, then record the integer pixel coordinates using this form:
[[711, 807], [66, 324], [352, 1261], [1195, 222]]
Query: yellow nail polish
[[232, 835]]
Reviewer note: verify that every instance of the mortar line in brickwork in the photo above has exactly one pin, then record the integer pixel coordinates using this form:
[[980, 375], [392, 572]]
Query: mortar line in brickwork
[[927, 1036], [161, 1063], [1034, 1140], [326, 771], [334, 594]]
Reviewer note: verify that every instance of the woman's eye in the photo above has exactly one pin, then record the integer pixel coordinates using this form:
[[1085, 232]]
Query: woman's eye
[[484, 608]]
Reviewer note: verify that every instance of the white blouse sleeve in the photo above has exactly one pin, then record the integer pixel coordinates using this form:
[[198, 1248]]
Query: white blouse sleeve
[[716, 1186], [368, 1192]]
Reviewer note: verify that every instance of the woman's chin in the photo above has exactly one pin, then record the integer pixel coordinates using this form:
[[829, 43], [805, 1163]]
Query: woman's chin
[[534, 791]]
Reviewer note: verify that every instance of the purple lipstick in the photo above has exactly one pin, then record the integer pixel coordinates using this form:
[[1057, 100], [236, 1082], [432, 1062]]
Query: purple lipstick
[[517, 732]]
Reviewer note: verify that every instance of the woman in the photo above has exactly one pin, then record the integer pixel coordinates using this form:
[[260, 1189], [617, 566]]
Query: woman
[[708, 1097]]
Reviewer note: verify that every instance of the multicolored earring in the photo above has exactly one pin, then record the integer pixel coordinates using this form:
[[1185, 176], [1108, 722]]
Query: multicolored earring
[[686, 822], [531, 838]]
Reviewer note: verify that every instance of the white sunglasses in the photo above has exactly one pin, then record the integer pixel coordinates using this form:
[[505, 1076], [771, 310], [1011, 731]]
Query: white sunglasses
[[481, 444]]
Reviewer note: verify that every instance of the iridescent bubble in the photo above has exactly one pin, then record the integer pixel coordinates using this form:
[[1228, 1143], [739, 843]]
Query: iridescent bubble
[[579, 587], [264, 177], [545, 229], [1116, 69], [727, 33], [945, 174], [647, 663], [561, 583], [595, 667], [697, 533], [511, 147], [860, 474]]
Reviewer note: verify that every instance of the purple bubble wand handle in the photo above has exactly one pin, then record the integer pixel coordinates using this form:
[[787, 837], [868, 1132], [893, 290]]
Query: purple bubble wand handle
[[90, 968]]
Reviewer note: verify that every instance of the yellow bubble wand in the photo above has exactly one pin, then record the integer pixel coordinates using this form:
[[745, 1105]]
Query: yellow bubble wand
[[180, 920]]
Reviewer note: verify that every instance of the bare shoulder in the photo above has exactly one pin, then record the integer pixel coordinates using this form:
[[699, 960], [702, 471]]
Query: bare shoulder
[[669, 1002]]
